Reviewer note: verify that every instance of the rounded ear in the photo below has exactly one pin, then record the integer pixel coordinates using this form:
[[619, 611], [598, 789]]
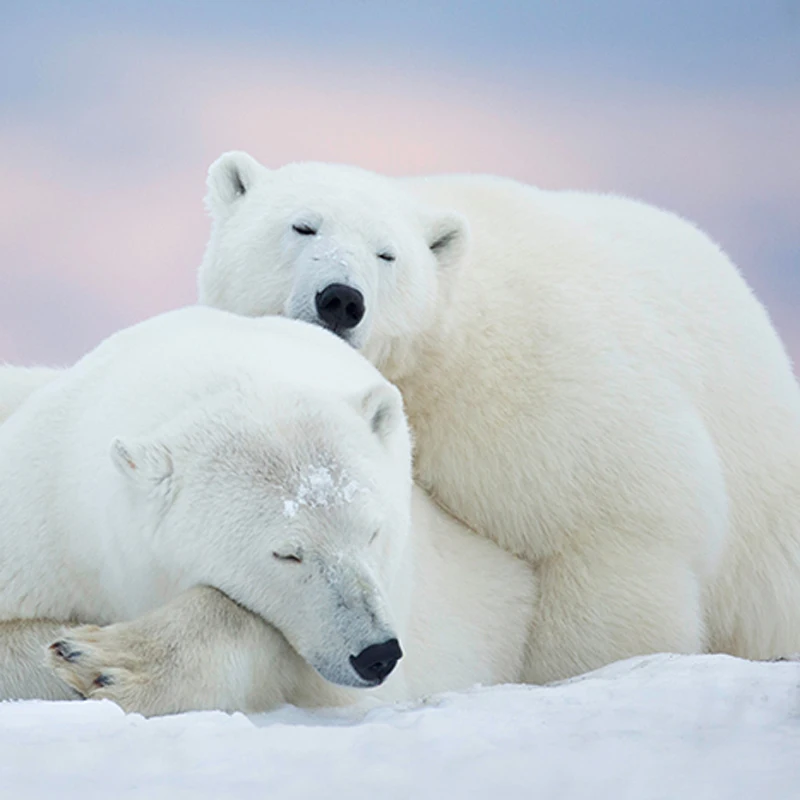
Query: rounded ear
[[382, 407], [149, 464], [230, 177], [447, 235]]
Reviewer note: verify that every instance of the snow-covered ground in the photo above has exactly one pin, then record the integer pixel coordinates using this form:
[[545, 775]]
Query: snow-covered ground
[[655, 727]]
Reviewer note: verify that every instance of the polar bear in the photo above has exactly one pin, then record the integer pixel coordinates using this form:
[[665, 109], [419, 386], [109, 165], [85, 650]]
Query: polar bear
[[589, 380], [201, 453]]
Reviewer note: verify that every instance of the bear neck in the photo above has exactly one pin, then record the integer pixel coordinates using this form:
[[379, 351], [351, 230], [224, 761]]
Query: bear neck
[[402, 359]]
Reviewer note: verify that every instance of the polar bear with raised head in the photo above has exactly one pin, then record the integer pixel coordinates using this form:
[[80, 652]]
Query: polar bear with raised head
[[589, 381], [234, 496]]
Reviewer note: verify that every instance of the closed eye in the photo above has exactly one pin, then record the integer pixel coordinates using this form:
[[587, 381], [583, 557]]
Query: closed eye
[[373, 537], [304, 229], [386, 256], [293, 558]]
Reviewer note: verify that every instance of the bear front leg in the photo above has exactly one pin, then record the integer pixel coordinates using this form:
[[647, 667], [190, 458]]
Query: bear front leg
[[201, 651], [593, 611]]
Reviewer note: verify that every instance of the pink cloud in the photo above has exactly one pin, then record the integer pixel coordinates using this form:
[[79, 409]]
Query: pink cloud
[[126, 234]]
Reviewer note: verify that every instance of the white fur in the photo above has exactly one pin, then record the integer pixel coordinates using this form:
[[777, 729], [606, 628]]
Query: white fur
[[264, 458], [589, 380], [18, 383]]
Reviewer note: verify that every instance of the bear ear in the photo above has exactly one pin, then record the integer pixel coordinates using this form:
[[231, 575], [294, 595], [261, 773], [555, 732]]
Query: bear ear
[[148, 464], [447, 234], [230, 178], [382, 407]]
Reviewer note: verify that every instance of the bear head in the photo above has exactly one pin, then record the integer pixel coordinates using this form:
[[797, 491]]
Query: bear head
[[286, 486], [333, 245]]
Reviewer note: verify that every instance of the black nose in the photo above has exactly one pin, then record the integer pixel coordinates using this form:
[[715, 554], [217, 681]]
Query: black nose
[[375, 662], [340, 307]]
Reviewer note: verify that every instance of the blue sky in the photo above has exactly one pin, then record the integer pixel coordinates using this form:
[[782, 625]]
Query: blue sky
[[713, 42], [111, 112]]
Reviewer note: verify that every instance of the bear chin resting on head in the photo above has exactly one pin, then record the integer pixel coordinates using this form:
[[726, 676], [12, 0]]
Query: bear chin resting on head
[[589, 381]]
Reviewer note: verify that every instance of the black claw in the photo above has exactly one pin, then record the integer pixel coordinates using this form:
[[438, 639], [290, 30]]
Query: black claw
[[63, 650], [103, 680]]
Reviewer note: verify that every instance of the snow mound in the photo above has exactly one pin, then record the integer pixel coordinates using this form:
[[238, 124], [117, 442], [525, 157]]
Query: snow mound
[[654, 727]]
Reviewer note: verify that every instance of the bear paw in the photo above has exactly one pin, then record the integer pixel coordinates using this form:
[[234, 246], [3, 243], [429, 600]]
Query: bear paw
[[111, 663]]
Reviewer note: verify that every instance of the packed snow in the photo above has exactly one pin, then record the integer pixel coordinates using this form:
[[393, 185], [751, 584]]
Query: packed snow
[[653, 727], [318, 488]]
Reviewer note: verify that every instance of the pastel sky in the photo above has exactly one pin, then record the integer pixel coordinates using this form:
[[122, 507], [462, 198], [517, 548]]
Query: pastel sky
[[110, 114]]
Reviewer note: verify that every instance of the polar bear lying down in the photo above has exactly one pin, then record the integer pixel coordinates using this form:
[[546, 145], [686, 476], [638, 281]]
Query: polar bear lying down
[[268, 460], [589, 381]]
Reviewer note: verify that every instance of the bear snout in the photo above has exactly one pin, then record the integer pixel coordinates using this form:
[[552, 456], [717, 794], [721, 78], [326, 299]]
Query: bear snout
[[375, 663], [339, 307]]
